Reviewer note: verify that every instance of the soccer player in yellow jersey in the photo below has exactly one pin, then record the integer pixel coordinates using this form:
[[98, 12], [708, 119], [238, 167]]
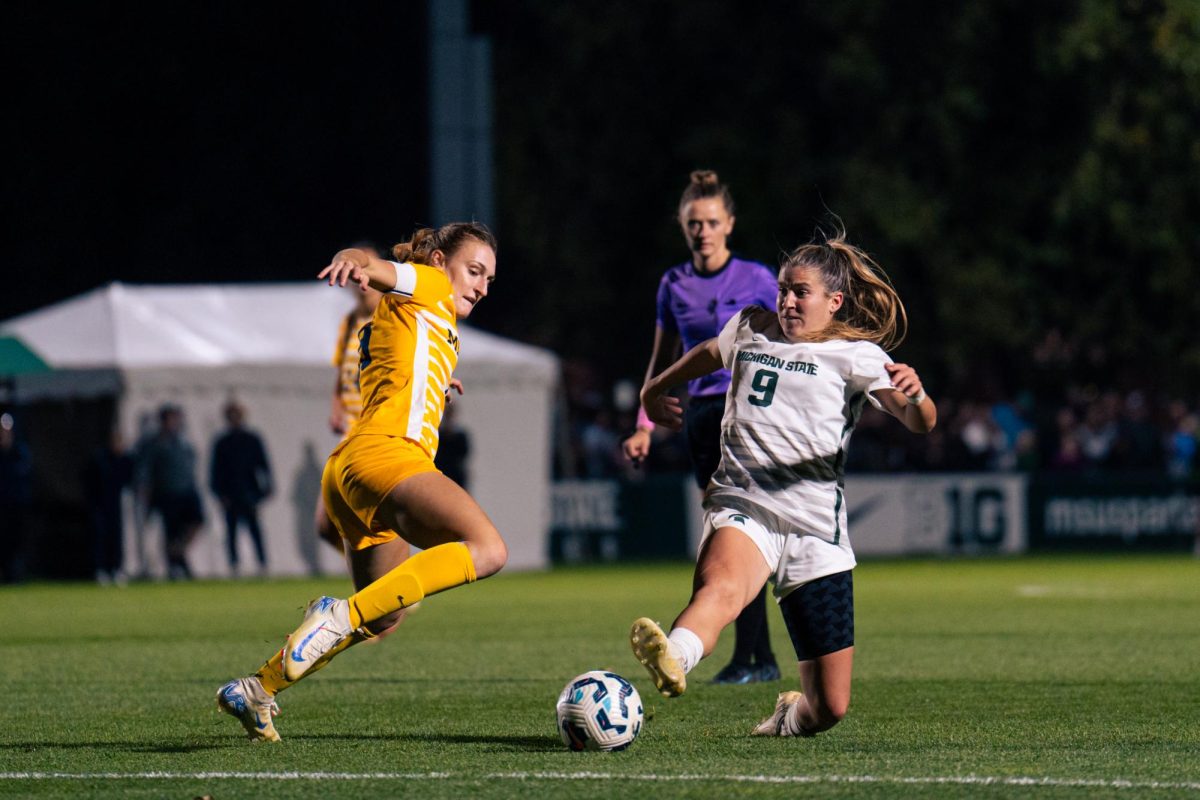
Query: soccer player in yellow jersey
[[380, 486], [346, 403]]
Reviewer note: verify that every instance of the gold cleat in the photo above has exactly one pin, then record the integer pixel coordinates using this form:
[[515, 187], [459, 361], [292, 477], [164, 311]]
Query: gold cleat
[[651, 648]]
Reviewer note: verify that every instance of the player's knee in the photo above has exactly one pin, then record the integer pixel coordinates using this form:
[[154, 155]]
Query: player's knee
[[833, 710], [721, 595], [489, 555]]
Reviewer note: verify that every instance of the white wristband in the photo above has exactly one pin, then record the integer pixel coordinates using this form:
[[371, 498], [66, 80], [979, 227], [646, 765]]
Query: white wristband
[[916, 399], [406, 279]]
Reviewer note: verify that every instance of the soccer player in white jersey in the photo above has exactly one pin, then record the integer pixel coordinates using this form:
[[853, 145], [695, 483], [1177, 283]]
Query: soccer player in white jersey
[[774, 509]]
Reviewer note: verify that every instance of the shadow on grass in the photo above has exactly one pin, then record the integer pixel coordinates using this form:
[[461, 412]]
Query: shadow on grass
[[108, 746], [539, 744]]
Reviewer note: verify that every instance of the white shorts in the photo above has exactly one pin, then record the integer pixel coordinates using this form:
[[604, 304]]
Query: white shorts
[[793, 559]]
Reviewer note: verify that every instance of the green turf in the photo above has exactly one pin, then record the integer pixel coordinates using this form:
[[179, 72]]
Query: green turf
[[1071, 669]]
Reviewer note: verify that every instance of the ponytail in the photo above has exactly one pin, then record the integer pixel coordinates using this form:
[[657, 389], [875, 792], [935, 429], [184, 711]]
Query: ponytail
[[871, 310], [448, 238], [703, 185]]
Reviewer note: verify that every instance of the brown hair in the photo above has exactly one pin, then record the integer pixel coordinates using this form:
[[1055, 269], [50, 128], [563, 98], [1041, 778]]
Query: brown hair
[[871, 310], [448, 238], [705, 184]]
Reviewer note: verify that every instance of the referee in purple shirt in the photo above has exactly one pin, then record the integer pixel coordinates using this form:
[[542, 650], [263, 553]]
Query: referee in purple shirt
[[695, 300]]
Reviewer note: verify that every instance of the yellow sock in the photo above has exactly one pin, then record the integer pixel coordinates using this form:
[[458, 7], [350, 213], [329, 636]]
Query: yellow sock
[[428, 572], [271, 676]]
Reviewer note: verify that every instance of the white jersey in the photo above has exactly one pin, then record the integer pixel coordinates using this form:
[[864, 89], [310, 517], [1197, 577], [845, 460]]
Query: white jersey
[[789, 413]]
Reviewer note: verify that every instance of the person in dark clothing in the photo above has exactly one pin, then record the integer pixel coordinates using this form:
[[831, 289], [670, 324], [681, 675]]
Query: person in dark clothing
[[107, 474], [454, 445], [241, 479], [16, 471], [171, 471], [695, 300]]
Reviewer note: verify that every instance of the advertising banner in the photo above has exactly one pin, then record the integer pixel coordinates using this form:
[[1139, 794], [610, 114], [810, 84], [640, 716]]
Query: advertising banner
[[936, 514], [1105, 513]]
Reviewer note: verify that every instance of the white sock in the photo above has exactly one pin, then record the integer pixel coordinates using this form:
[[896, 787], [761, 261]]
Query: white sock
[[687, 647]]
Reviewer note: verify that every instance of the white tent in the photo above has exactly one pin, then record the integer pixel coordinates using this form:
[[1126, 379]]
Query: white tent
[[270, 346]]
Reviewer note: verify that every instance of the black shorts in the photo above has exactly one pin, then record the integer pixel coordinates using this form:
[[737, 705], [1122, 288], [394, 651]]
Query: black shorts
[[820, 615], [179, 511], [702, 426]]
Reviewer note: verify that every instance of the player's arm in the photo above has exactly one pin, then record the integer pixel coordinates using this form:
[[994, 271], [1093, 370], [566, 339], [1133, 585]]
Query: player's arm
[[661, 407], [665, 350], [359, 266], [906, 400], [337, 409]]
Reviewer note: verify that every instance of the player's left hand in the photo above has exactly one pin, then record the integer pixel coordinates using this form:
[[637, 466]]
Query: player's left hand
[[457, 386], [904, 379], [663, 409]]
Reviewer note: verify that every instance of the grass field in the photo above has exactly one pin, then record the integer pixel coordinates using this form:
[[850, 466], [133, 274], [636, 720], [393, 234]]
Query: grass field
[[1032, 677]]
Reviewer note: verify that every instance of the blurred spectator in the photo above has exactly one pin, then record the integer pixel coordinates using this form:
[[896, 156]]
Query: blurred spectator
[[16, 496], [240, 477], [147, 435], [454, 445], [171, 470], [601, 445], [1010, 418], [1058, 419], [1181, 442], [1065, 453], [869, 448], [1097, 435], [108, 472], [1139, 444], [978, 435]]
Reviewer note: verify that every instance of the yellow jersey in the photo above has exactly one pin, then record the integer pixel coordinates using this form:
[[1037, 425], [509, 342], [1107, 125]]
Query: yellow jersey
[[346, 358], [407, 354]]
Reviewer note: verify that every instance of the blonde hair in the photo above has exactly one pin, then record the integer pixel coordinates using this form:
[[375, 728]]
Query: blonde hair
[[704, 184], [448, 238], [871, 310]]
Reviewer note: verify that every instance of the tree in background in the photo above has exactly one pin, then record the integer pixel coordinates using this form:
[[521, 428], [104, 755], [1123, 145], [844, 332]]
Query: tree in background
[[1017, 168]]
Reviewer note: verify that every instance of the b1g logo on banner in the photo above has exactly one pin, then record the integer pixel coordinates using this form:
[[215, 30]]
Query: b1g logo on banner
[[954, 513]]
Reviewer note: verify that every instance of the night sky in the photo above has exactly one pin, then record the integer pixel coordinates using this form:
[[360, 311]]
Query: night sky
[[206, 142]]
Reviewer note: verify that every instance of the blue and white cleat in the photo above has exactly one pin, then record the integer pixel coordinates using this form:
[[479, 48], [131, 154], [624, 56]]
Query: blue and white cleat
[[248, 701], [326, 625]]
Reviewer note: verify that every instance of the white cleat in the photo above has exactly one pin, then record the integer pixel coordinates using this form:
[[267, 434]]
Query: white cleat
[[248, 701], [326, 625], [652, 649], [776, 724]]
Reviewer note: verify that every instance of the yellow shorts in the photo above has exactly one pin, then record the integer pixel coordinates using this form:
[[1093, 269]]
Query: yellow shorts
[[359, 475]]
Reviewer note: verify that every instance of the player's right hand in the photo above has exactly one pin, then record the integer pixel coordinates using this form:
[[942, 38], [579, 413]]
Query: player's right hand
[[343, 269], [637, 446]]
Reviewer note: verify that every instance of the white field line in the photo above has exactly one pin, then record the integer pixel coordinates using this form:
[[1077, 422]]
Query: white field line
[[949, 780]]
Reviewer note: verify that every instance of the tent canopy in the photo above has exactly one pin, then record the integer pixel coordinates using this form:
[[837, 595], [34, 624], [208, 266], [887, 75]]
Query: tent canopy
[[271, 346], [17, 359], [126, 326]]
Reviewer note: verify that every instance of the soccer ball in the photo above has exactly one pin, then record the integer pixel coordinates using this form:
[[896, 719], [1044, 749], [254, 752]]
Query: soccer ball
[[599, 711]]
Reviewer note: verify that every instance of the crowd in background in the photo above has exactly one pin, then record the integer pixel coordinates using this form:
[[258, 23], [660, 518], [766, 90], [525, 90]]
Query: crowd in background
[[1058, 419]]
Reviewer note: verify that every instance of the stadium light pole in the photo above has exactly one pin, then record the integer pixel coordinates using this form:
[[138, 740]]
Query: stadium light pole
[[460, 102]]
